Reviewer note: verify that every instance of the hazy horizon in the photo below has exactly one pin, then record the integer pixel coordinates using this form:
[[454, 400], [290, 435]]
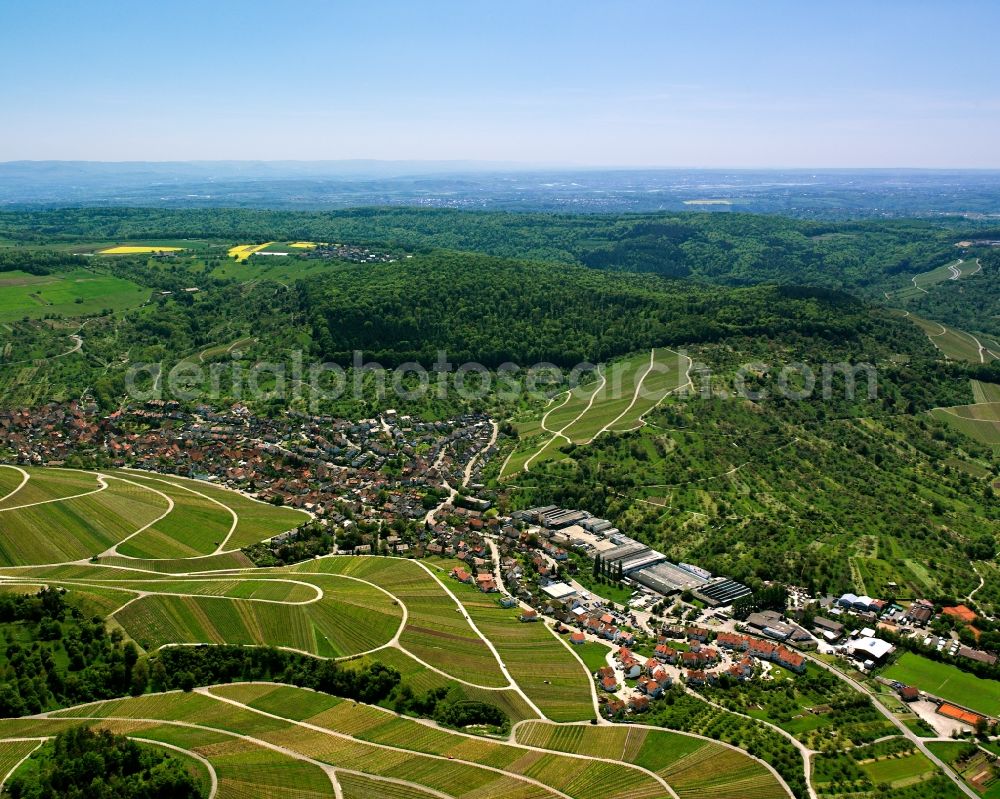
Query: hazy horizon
[[584, 84], [527, 166]]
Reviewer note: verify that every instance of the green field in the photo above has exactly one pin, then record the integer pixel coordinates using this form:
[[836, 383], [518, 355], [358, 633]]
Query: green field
[[77, 293], [947, 682], [900, 771], [593, 654]]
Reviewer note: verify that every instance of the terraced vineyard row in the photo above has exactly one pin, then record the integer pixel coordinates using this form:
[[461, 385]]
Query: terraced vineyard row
[[624, 392], [436, 630], [85, 514], [545, 669], [693, 767]]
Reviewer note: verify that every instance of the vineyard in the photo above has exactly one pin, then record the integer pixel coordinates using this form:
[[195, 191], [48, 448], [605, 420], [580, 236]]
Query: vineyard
[[256, 750], [253, 740], [693, 767], [132, 514]]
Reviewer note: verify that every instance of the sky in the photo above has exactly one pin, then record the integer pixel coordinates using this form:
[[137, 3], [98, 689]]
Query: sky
[[547, 82]]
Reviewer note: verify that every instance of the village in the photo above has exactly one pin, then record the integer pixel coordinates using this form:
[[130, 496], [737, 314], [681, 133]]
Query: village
[[380, 471], [395, 485]]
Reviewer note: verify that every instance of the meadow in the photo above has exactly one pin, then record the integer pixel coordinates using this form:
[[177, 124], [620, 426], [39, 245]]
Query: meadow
[[68, 294], [946, 681]]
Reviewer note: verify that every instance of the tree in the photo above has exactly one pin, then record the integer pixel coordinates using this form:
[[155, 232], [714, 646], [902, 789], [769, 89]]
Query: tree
[[186, 681], [140, 678]]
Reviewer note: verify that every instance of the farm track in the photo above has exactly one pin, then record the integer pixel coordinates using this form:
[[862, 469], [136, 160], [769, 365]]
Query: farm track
[[25, 477], [561, 432], [588, 425]]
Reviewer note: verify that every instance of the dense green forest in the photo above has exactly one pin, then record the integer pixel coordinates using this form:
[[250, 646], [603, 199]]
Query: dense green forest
[[57, 655], [82, 764], [726, 248], [473, 307]]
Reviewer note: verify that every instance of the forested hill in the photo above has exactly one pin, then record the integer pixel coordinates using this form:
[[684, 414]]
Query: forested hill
[[492, 310], [474, 307], [721, 248]]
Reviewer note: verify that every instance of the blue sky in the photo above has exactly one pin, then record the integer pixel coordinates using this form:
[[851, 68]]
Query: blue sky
[[637, 83]]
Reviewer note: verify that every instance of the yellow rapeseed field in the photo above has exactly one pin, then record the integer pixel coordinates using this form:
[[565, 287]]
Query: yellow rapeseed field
[[244, 251], [304, 245], [135, 250]]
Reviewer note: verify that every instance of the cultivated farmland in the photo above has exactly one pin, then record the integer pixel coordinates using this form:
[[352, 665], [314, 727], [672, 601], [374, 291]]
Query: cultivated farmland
[[242, 252], [436, 631], [138, 249]]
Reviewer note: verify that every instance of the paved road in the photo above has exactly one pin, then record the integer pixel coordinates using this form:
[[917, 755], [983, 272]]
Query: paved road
[[906, 731]]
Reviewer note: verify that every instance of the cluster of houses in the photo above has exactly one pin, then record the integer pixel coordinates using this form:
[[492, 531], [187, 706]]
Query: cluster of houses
[[484, 581], [602, 625], [910, 621], [331, 467], [762, 650], [349, 252], [697, 665]]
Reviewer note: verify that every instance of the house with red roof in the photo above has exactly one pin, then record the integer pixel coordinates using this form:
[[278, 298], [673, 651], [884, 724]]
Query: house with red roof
[[606, 679], [731, 641], [615, 707], [695, 677], [790, 660], [638, 703], [697, 634], [665, 653]]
